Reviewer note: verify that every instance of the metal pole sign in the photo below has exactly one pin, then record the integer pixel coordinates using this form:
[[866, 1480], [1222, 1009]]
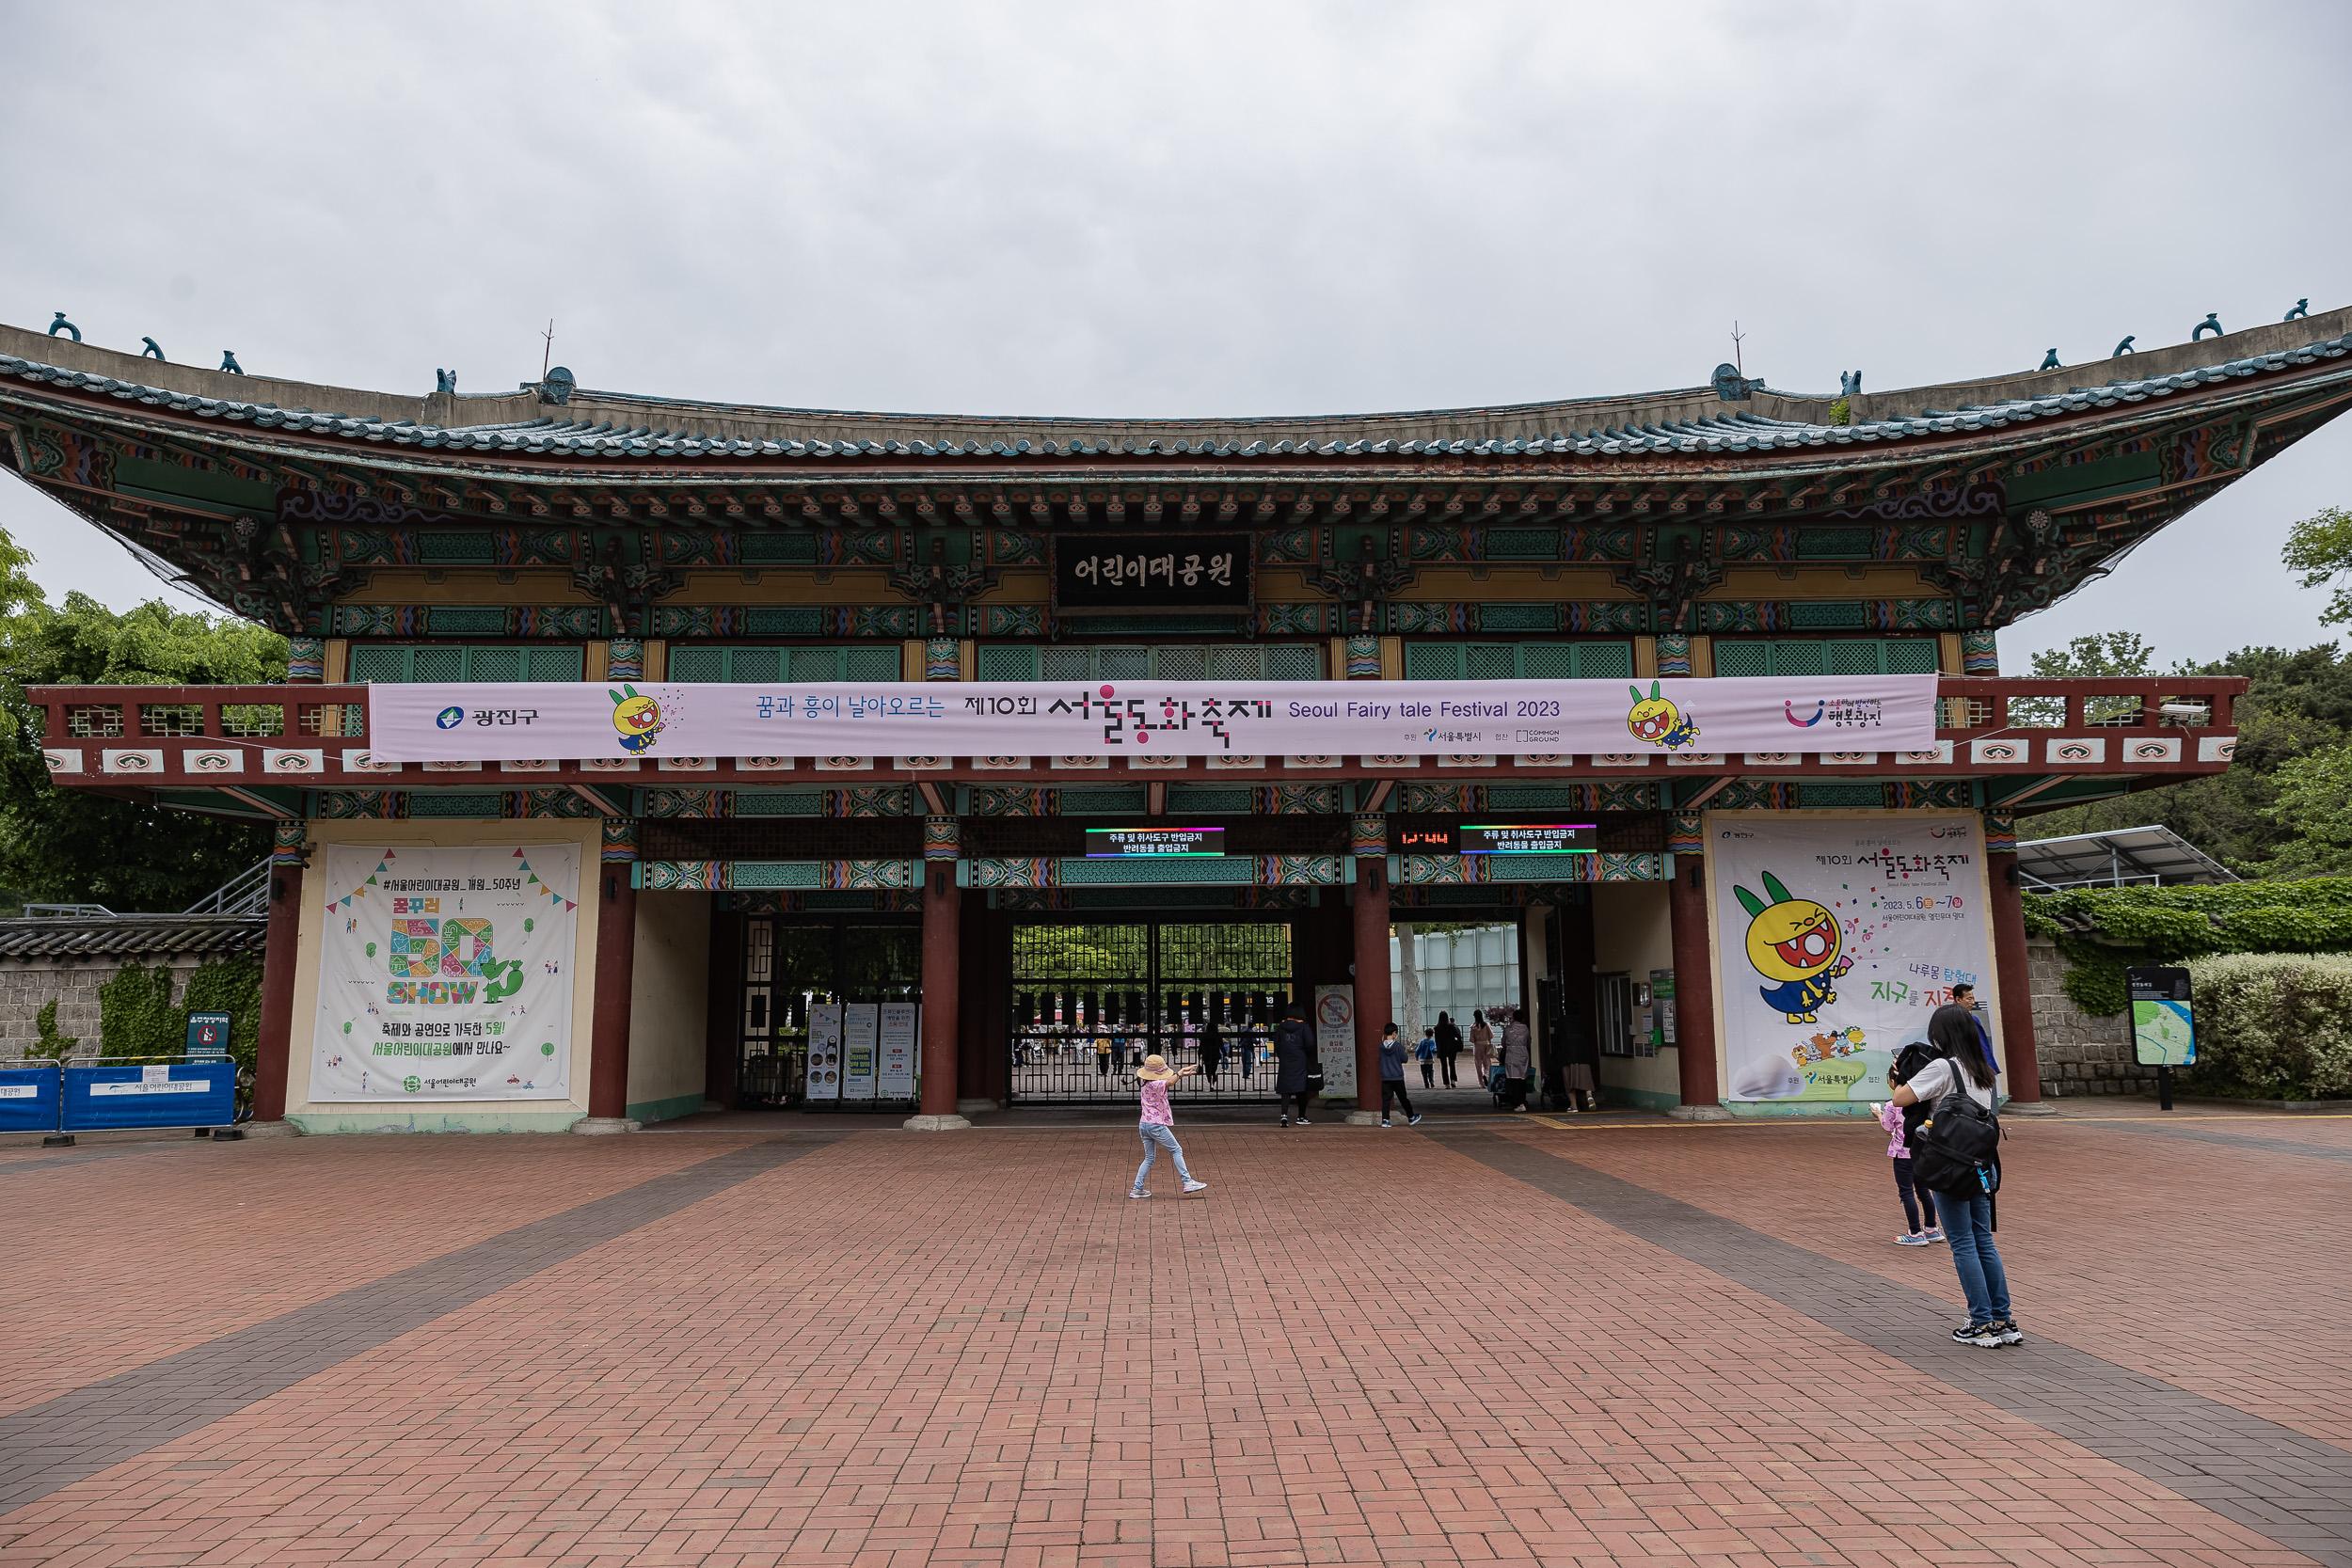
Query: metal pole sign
[[2164, 1025]]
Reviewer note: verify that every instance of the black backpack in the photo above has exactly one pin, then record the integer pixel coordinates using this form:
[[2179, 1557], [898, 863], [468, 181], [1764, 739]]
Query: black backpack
[[1958, 1148]]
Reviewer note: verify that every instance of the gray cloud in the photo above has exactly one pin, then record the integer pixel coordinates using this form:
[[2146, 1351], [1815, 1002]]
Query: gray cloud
[[1196, 210]]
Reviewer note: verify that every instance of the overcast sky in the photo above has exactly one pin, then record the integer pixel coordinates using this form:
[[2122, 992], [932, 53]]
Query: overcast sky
[[1200, 209]]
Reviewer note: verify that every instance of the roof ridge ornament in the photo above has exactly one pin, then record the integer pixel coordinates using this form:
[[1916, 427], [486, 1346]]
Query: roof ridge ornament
[[2050, 361], [228, 362], [61, 325], [444, 381], [2302, 308], [152, 351], [2123, 348], [2212, 322]]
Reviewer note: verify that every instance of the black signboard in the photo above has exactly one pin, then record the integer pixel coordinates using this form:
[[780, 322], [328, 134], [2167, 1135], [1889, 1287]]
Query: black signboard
[[1168, 573], [1119, 842], [1424, 841], [1525, 838]]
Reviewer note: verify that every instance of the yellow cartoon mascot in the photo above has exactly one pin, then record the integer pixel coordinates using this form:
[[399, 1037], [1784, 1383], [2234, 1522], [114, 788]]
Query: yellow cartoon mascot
[[1796, 943], [638, 718], [1656, 720]]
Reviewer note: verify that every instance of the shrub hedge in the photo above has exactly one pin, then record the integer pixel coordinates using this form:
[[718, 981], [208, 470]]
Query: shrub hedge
[[2273, 1027], [2104, 931]]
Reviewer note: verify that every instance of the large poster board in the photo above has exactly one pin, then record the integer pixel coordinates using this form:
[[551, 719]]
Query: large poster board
[[446, 974], [858, 1064], [1836, 938]]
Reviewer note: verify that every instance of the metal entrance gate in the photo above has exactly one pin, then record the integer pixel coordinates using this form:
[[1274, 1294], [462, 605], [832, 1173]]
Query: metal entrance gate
[[1090, 1002], [789, 965]]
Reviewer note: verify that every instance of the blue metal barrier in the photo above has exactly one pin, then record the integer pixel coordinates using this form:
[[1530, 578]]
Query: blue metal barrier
[[119, 1094], [29, 1097]]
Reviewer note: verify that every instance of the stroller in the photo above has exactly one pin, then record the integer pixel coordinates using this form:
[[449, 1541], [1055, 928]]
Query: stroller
[[1494, 1086]]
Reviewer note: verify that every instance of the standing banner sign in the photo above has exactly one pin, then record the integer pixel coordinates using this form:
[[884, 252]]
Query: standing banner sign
[[1836, 938], [446, 974], [1335, 1038], [898, 1020], [825, 1050], [491, 721], [857, 1050], [208, 1036]]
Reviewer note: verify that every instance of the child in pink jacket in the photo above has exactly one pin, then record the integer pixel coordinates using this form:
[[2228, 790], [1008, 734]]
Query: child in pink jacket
[[1891, 1117]]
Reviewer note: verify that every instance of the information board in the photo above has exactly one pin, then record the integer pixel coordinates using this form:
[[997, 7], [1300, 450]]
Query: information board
[[2164, 1026], [1119, 843], [1516, 838], [1169, 573], [858, 1065], [1335, 1038], [825, 1050], [899, 1025], [208, 1037]]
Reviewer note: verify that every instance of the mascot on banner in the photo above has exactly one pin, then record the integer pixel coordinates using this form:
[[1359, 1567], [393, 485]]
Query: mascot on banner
[[1796, 943]]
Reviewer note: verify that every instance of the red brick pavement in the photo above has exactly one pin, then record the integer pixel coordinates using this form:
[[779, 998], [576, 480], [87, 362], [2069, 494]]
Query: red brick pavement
[[971, 1349]]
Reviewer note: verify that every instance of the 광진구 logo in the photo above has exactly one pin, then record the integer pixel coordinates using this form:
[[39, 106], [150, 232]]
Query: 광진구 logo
[[450, 718]]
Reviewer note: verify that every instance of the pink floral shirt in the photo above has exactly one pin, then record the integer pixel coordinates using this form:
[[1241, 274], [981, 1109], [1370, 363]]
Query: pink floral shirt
[[1156, 1112], [1891, 1117]]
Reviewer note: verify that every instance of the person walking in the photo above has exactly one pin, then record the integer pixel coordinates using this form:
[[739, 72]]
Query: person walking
[[1101, 1056], [1516, 1049], [1449, 1048], [1157, 1127], [1293, 1048], [1482, 1046], [1898, 1154], [1426, 1054], [1965, 1205], [1212, 1051], [1393, 1076]]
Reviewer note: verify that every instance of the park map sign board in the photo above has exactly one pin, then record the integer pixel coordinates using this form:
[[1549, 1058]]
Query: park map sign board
[[2164, 1025], [1696, 719]]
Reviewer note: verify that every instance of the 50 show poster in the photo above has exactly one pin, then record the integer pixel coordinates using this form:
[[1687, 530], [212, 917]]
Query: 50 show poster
[[1835, 939]]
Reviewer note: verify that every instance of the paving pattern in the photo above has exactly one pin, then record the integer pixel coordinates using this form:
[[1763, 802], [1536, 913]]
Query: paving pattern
[[1472, 1342]]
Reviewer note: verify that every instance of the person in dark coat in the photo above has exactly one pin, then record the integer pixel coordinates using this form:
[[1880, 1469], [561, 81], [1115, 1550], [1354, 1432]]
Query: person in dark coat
[[1449, 1046], [1293, 1048], [1211, 1050]]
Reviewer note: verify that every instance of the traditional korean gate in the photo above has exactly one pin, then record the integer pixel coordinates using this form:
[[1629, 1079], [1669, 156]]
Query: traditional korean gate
[[1090, 1002]]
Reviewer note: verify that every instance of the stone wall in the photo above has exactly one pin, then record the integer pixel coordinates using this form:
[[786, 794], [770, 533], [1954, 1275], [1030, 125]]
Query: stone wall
[[28, 988], [2080, 1055]]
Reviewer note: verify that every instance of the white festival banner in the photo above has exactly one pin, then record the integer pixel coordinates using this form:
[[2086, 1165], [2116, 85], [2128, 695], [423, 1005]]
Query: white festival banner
[[445, 974], [1836, 938], [499, 721]]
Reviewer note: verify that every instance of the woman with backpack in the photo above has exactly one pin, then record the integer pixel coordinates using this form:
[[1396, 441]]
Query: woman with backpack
[[1963, 1186]]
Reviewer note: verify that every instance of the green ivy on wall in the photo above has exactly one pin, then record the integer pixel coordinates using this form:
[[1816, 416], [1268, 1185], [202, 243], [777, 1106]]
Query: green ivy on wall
[[2104, 932], [52, 1046], [137, 1016]]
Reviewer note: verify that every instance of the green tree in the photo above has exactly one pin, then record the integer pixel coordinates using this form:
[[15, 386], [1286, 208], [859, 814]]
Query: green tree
[[69, 845], [2320, 548], [2315, 801]]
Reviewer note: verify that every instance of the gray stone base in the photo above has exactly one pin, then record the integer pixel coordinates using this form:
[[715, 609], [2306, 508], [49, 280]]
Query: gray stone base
[[270, 1130], [1363, 1118], [2319, 1107], [976, 1107], [589, 1127], [934, 1124], [1698, 1113], [2080, 1055]]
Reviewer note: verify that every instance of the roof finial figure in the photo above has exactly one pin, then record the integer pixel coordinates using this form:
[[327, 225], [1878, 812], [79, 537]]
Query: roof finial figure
[[151, 351], [2049, 360], [228, 362], [2302, 308], [444, 381], [2212, 322], [61, 325], [2123, 348], [1849, 384]]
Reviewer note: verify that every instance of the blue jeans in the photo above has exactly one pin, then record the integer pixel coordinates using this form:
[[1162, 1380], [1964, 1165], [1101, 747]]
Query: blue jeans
[[1968, 1227], [1156, 1137]]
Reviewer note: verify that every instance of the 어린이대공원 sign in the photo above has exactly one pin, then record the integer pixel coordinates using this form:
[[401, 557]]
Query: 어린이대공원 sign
[[1835, 939], [445, 974]]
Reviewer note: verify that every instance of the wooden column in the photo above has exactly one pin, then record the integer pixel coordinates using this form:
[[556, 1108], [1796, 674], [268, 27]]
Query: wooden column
[[942, 929], [2023, 1062], [1694, 975], [1371, 848], [281, 949], [723, 1015], [617, 972]]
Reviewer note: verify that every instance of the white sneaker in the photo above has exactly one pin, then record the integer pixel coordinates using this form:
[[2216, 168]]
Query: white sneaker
[[1196, 1186], [1914, 1240], [1138, 1192]]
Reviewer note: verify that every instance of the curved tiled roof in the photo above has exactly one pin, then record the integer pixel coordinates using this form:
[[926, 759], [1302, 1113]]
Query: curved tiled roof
[[1732, 430], [132, 936]]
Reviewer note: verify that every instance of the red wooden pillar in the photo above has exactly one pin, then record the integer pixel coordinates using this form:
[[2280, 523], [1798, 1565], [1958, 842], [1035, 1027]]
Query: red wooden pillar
[[616, 973], [282, 950], [1371, 848], [942, 950], [1694, 974], [2023, 1063]]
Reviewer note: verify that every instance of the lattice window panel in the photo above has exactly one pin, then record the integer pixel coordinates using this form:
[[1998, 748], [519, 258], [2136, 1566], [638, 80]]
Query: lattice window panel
[[442, 662], [253, 719], [1003, 662], [171, 719], [97, 721]]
